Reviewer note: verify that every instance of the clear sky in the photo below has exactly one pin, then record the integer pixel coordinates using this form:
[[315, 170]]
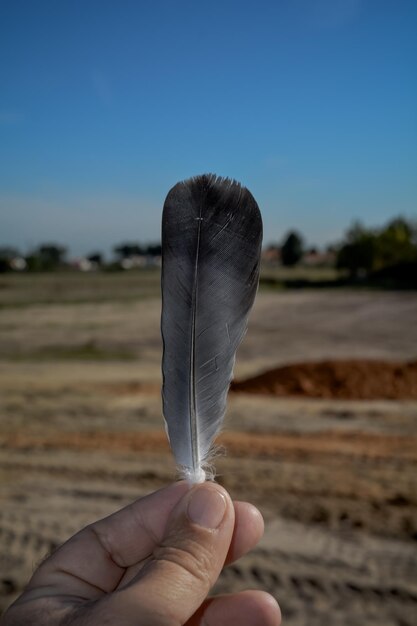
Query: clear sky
[[104, 105]]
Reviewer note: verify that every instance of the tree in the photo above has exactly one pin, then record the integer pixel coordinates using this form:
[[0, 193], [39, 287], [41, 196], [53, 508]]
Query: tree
[[6, 256], [153, 249], [357, 254], [96, 258], [368, 250], [47, 257], [292, 249], [128, 250], [396, 243]]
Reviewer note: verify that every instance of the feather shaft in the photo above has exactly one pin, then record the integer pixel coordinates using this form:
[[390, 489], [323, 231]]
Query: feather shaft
[[193, 404]]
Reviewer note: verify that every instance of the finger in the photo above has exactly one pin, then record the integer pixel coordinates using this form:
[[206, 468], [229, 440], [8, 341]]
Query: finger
[[248, 608], [186, 564], [249, 528], [94, 560]]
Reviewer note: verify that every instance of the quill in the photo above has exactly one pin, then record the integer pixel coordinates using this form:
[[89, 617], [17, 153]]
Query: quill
[[211, 244]]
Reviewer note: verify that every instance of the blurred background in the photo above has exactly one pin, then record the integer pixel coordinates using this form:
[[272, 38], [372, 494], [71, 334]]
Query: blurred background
[[312, 105]]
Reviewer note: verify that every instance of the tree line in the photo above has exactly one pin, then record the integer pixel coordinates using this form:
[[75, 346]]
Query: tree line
[[367, 250], [49, 257], [361, 252]]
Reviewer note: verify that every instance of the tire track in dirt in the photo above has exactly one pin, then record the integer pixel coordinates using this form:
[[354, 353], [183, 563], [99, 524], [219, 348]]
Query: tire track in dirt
[[352, 444], [353, 580], [328, 573]]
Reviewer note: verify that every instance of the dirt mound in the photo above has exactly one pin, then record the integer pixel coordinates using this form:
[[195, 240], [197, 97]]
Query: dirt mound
[[349, 379]]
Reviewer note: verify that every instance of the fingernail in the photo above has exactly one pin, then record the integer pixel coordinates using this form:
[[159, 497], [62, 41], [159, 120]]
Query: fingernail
[[206, 507]]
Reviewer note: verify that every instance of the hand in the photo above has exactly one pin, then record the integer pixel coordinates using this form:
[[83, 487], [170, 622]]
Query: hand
[[150, 564]]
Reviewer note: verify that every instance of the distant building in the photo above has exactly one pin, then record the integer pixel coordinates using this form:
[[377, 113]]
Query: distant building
[[271, 255], [140, 261], [18, 264], [316, 258], [83, 264]]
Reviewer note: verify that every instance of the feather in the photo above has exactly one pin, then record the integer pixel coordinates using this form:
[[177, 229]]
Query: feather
[[211, 244]]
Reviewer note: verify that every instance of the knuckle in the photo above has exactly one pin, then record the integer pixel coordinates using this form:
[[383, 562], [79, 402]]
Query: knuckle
[[194, 561], [105, 541]]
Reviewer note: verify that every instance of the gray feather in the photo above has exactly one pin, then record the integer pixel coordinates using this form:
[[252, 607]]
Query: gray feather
[[211, 244]]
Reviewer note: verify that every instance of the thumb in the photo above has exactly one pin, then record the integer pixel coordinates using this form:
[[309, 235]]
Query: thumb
[[186, 563]]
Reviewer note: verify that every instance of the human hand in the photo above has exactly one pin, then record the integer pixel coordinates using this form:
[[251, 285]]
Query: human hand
[[150, 564]]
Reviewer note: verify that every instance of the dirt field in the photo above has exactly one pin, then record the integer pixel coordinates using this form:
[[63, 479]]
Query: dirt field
[[81, 435]]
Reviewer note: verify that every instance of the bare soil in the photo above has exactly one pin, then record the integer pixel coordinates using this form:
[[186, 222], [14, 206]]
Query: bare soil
[[81, 435], [349, 379]]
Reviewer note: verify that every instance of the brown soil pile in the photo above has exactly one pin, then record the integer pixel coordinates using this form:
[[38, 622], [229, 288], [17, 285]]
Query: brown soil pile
[[350, 379]]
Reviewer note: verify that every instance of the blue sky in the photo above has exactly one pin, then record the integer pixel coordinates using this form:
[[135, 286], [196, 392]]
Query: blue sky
[[312, 104]]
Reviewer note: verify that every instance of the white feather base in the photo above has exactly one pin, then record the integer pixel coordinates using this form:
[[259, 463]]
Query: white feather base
[[194, 476]]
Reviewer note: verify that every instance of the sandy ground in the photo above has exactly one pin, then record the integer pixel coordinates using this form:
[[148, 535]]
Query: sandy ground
[[81, 435]]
